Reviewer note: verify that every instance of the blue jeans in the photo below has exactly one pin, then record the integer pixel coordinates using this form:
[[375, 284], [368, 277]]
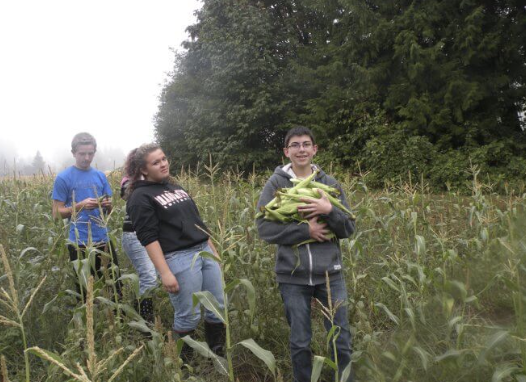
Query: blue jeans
[[297, 300], [140, 261], [204, 275]]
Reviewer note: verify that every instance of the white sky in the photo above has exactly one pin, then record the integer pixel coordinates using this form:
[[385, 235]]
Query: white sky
[[68, 66]]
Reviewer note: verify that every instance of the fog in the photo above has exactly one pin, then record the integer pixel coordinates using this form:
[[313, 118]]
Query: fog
[[72, 66], [11, 163]]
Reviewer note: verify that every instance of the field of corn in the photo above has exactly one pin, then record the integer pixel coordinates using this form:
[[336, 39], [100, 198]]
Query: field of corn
[[437, 286]]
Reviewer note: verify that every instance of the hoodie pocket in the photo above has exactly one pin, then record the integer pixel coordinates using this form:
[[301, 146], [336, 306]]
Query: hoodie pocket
[[292, 260], [327, 260]]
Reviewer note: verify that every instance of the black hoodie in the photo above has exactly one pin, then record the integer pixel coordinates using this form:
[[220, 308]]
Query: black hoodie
[[165, 212]]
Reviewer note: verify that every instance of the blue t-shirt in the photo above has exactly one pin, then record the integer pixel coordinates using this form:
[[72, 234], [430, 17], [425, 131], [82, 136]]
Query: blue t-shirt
[[83, 184]]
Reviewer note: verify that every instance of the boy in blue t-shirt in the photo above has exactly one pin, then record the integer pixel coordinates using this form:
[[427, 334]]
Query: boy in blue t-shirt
[[80, 194]]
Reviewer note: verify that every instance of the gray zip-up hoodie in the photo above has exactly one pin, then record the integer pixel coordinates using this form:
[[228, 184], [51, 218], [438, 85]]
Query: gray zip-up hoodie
[[314, 258]]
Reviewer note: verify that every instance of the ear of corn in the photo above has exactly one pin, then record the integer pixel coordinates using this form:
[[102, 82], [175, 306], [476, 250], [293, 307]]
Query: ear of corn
[[305, 182], [284, 207], [309, 192], [336, 202], [321, 186], [289, 208], [275, 215]]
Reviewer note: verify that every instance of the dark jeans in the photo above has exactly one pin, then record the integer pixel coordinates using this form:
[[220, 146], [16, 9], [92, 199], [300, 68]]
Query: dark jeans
[[80, 251], [297, 300]]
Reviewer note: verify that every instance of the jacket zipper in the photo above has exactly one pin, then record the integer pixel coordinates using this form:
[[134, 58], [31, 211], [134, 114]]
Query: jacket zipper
[[310, 264]]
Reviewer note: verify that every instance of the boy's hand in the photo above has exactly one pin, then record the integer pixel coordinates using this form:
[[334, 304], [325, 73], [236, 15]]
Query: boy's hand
[[315, 207], [317, 231], [87, 204], [106, 202]]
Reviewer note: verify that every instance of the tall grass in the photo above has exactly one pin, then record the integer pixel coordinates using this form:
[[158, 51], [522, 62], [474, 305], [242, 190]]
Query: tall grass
[[11, 302], [436, 287]]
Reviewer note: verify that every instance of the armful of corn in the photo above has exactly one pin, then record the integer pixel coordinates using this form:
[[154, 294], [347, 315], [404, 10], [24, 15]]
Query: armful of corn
[[284, 207]]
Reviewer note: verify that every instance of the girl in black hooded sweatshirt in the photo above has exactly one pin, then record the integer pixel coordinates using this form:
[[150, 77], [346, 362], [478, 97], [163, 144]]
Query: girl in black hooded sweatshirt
[[168, 225]]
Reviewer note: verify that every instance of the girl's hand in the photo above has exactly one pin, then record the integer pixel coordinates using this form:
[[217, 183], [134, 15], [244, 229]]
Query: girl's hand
[[170, 282]]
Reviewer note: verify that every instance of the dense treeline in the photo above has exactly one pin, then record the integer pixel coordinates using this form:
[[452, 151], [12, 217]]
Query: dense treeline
[[389, 87]]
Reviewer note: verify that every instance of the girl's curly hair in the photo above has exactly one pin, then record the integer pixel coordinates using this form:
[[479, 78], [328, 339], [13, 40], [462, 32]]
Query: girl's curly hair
[[135, 162]]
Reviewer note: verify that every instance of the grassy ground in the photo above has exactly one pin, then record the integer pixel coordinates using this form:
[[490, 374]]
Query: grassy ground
[[436, 286]]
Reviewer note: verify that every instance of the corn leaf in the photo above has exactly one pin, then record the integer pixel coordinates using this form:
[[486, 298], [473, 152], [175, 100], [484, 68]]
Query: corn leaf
[[390, 314], [317, 366], [266, 356], [209, 302], [203, 349]]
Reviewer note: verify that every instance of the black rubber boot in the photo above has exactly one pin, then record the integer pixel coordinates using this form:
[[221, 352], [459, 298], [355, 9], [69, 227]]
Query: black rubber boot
[[187, 353], [215, 335], [146, 311]]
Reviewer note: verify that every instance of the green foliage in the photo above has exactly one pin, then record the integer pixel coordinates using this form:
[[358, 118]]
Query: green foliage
[[394, 155], [415, 82], [436, 287], [226, 96], [497, 161]]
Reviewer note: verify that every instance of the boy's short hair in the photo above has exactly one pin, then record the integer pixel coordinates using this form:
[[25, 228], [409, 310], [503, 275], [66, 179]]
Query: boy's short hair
[[82, 139], [297, 131]]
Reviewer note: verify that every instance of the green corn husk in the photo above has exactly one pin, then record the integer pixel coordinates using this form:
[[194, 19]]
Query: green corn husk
[[294, 197], [275, 215], [304, 182], [336, 202], [289, 208], [284, 207], [308, 192], [321, 186]]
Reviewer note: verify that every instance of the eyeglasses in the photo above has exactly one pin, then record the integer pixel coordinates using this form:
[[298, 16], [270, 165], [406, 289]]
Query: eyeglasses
[[297, 145]]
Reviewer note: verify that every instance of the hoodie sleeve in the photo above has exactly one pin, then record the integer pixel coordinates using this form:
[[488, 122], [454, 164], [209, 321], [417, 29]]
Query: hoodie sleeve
[[338, 221], [279, 233], [144, 219]]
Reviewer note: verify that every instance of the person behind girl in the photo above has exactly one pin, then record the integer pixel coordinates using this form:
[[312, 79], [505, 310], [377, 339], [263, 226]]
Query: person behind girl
[[168, 225], [137, 254]]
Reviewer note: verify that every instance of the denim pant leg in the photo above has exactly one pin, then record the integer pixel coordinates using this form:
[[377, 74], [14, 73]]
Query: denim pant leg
[[341, 319], [140, 261], [212, 282], [297, 302], [191, 280]]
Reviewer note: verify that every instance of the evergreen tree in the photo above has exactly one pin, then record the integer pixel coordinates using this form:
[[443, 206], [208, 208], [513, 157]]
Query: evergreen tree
[[38, 166], [451, 72], [395, 85], [227, 94]]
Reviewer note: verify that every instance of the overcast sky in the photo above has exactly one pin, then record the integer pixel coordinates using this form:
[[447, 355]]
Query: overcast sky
[[98, 66]]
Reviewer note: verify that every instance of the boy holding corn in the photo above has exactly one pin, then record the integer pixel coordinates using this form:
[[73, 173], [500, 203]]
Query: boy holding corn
[[306, 254]]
